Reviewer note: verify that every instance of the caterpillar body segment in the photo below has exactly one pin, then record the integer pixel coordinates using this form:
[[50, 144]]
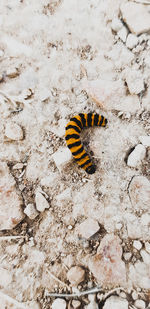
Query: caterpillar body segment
[[72, 136]]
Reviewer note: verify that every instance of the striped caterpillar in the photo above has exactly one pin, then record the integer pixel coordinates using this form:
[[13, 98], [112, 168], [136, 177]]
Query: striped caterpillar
[[72, 136]]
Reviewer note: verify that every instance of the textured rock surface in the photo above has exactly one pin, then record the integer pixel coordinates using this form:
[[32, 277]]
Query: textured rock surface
[[62, 157], [106, 265], [41, 202], [59, 303], [139, 191], [134, 81], [136, 16], [116, 302], [75, 275], [13, 131], [136, 156], [88, 228], [10, 200]]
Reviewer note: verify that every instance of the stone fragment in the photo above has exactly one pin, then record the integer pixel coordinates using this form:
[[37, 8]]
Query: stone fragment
[[116, 24], [18, 166], [106, 265], [147, 247], [12, 72], [145, 140], [62, 157], [41, 202], [45, 94], [76, 275], [134, 295], [13, 131], [88, 228], [145, 256], [134, 80], [136, 16], [136, 156], [139, 275], [127, 256], [131, 41], [139, 191], [122, 34], [10, 201], [140, 304], [59, 303], [76, 304], [115, 302], [137, 244], [92, 304], [30, 211]]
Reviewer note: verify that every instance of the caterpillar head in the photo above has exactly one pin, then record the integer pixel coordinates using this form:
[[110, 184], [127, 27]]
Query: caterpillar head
[[91, 169]]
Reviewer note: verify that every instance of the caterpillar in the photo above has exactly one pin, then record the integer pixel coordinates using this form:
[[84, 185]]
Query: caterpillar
[[72, 137]]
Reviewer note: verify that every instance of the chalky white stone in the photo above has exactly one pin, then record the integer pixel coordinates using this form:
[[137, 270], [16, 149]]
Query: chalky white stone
[[10, 201], [59, 303], [30, 211], [88, 228], [131, 41], [13, 131], [12, 72], [136, 16], [145, 140], [137, 244], [123, 34], [115, 302], [41, 202], [116, 24], [62, 157], [76, 275], [76, 304], [134, 81], [140, 304], [136, 156]]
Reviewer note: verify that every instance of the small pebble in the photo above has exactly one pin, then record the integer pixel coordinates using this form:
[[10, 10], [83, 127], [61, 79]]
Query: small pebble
[[134, 295], [62, 157], [127, 256], [131, 41], [136, 156], [76, 275], [41, 202], [145, 140], [18, 166], [123, 34], [59, 303], [145, 256], [12, 72], [88, 228], [147, 247], [76, 304], [137, 244], [140, 304], [30, 211], [116, 24], [13, 131]]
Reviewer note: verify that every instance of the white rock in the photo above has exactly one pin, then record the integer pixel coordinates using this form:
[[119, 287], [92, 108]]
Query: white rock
[[10, 201], [129, 103], [76, 275], [116, 24], [41, 202], [145, 140], [139, 191], [137, 244], [136, 156], [49, 180], [147, 247], [59, 303], [133, 226], [88, 228], [30, 211], [62, 157], [139, 275], [134, 295], [115, 302], [18, 166], [136, 16], [13, 131], [123, 34], [131, 41], [127, 256], [134, 81], [140, 304], [76, 304], [145, 256], [45, 94]]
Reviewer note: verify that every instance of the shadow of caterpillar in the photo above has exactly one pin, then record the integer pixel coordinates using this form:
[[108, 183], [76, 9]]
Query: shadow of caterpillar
[[72, 136]]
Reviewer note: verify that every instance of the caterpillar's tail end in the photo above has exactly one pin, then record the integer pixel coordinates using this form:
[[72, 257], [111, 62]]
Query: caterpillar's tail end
[[91, 169]]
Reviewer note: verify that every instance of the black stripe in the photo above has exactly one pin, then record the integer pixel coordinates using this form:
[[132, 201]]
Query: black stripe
[[88, 161], [74, 144], [78, 122], [76, 136], [89, 119], [105, 121], [83, 120], [96, 116], [78, 151], [102, 118], [82, 157], [70, 126]]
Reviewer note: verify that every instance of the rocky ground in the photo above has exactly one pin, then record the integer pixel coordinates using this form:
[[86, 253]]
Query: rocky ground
[[69, 239]]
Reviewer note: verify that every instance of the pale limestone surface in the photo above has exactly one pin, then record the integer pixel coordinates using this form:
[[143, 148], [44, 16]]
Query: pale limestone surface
[[116, 302], [136, 17], [136, 156], [75, 275], [88, 228]]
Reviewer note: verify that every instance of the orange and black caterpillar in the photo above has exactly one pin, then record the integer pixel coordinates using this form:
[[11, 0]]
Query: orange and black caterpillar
[[72, 136]]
